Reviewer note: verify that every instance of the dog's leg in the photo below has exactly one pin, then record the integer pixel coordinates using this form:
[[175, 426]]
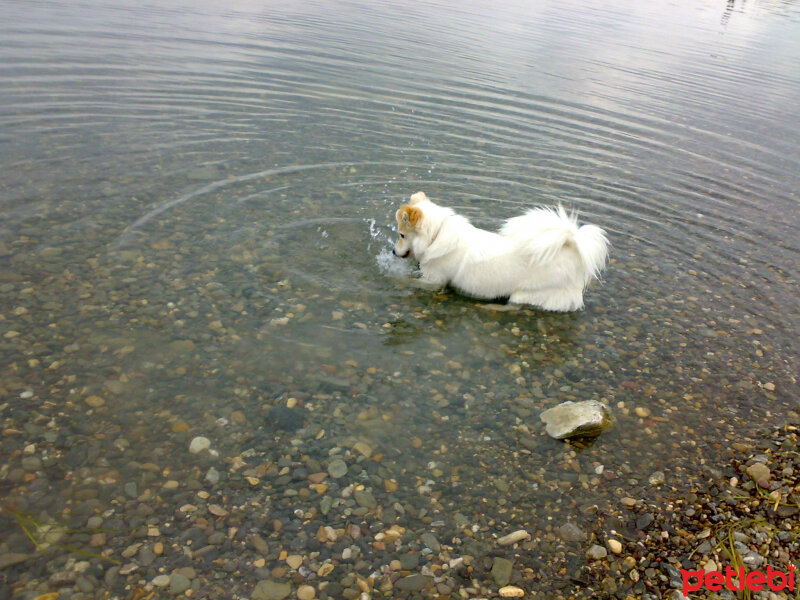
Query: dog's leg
[[522, 298], [501, 307], [557, 302], [431, 279], [426, 283]]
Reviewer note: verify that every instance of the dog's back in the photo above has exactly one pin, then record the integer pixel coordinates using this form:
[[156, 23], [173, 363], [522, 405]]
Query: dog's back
[[542, 233]]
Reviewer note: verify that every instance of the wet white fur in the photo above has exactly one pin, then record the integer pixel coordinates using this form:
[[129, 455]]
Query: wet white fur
[[541, 258]]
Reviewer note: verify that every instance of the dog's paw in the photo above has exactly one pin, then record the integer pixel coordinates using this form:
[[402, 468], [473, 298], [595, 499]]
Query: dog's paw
[[502, 307], [427, 284]]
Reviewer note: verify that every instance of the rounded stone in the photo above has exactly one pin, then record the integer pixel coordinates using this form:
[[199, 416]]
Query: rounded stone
[[596, 552], [576, 419], [501, 570], [199, 444], [412, 583], [306, 592], [337, 468], [271, 590], [94, 401], [365, 499], [212, 476], [760, 473], [514, 537], [570, 532], [178, 583], [31, 463]]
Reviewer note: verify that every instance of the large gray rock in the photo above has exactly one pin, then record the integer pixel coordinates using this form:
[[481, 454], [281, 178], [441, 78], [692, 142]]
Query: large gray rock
[[365, 499], [760, 474], [270, 590], [501, 571], [570, 532], [576, 419], [412, 583], [178, 583]]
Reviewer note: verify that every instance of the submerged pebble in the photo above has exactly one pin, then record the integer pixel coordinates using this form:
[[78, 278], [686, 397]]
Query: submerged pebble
[[199, 444], [574, 419]]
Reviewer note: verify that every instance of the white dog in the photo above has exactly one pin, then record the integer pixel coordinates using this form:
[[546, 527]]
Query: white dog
[[541, 258]]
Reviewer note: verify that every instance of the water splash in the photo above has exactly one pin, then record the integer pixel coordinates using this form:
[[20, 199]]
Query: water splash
[[391, 266], [374, 231]]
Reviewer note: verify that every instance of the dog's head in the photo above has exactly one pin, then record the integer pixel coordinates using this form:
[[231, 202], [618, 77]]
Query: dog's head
[[409, 224]]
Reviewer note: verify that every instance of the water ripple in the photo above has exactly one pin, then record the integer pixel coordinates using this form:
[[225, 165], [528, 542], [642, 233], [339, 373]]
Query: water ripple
[[635, 131]]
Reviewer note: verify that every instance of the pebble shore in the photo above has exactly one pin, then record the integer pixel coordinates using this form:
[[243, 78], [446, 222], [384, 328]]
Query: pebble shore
[[274, 523], [191, 416]]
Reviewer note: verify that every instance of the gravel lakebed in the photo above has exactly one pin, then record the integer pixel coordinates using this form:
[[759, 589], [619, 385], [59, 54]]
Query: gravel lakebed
[[197, 414], [217, 382], [306, 513]]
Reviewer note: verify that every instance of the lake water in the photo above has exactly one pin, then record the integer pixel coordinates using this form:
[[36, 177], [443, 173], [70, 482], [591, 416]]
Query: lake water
[[196, 220]]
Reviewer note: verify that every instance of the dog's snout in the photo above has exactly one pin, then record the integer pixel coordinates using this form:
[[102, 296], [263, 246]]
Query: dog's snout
[[401, 252]]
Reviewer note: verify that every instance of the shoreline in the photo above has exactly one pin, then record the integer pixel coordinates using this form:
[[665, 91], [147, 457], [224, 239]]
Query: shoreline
[[224, 543]]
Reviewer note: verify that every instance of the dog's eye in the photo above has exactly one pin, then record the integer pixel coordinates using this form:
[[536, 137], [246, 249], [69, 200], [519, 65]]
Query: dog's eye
[[402, 236]]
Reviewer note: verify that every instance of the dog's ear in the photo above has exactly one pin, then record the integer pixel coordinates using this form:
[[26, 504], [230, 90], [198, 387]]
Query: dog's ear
[[409, 216], [417, 198]]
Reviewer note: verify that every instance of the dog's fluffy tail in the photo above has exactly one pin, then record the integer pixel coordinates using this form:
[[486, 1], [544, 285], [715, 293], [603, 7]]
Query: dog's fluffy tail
[[542, 232]]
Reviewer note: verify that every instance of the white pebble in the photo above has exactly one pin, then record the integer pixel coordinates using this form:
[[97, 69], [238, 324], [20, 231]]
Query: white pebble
[[513, 538], [199, 444]]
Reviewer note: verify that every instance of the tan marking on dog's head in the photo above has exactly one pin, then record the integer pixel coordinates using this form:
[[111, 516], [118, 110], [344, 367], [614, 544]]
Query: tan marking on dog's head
[[417, 198], [408, 217]]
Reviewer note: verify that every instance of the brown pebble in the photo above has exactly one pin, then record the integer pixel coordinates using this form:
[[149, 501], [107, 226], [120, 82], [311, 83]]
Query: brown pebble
[[294, 561], [306, 592], [317, 477], [94, 401], [363, 449]]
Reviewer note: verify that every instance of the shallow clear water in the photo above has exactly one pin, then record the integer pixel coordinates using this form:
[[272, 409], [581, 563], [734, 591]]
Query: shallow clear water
[[196, 207]]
